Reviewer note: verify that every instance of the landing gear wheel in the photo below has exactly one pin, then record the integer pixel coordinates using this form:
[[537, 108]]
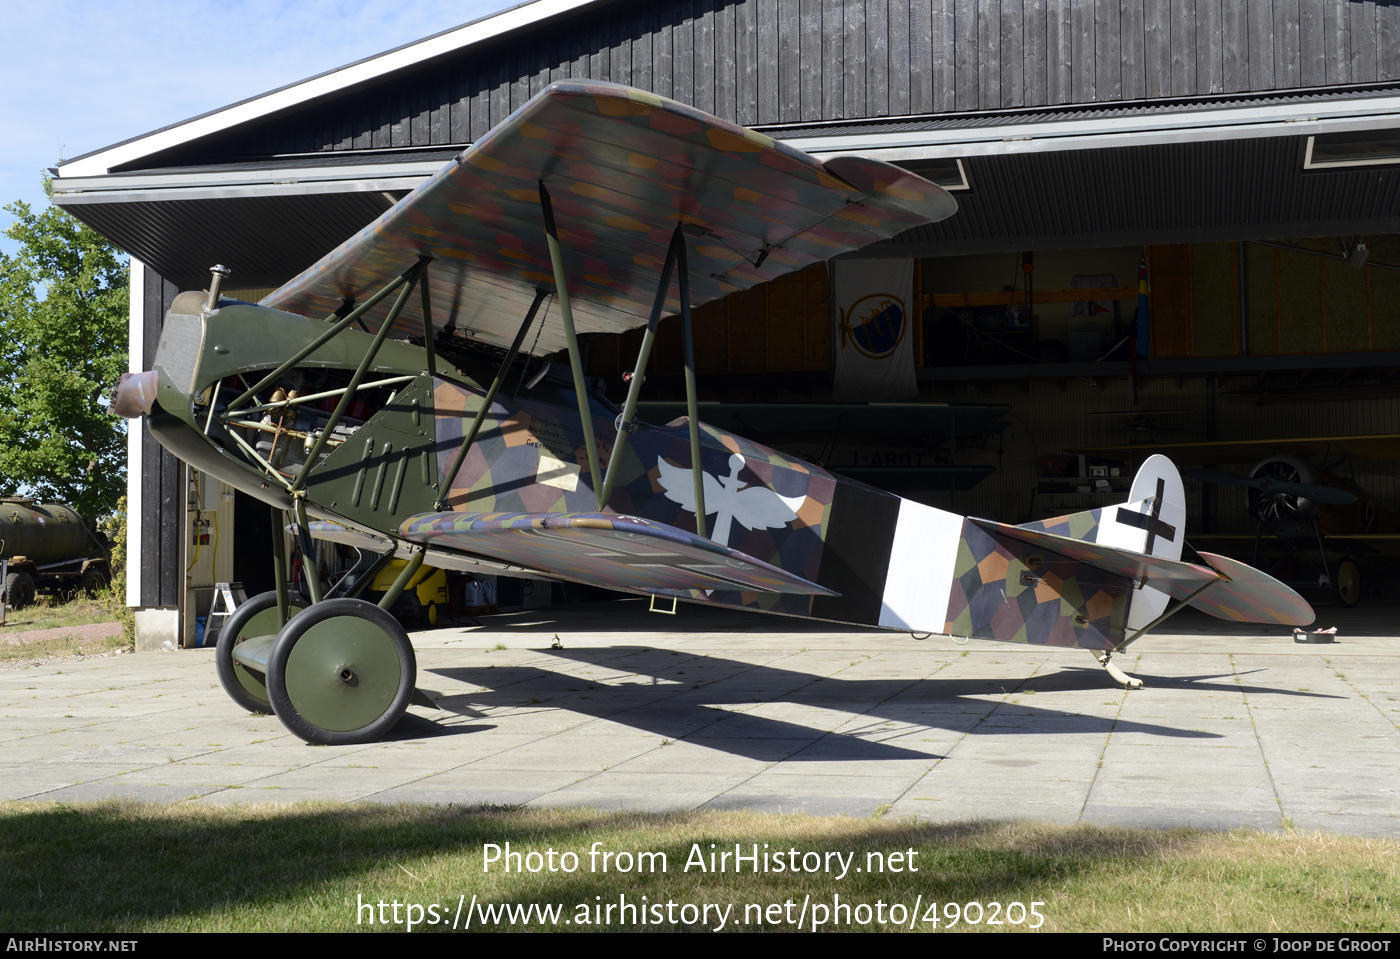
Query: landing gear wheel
[[1346, 583], [343, 672], [19, 590], [256, 617]]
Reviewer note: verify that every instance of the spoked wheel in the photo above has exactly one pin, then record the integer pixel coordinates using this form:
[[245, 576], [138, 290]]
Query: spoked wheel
[[342, 672], [1346, 583], [257, 617]]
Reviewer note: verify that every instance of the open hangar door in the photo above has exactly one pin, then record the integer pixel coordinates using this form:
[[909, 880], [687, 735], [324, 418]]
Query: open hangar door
[[1267, 362], [1031, 403]]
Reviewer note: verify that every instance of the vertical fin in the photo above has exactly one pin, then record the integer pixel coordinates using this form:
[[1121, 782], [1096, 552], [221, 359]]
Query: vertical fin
[[1152, 521]]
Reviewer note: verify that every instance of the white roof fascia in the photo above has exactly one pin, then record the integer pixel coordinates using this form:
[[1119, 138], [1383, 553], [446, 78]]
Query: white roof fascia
[[263, 182], [98, 163], [1299, 119], [390, 185]]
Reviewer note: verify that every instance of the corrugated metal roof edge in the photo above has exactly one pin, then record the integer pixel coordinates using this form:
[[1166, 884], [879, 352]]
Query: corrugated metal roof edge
[[1067, 113], [1075, 111]]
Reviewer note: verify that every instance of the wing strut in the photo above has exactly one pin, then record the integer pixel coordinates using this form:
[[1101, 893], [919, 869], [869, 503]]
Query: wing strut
[[1166, 615], [566, 316], [628, 421], [475, 428], [692, 408], [330, 334], [410, 279], [427, 299]]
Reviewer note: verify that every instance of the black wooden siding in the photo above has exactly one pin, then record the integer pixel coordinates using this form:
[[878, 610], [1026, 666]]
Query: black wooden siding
[[162, 496], [788, 61]]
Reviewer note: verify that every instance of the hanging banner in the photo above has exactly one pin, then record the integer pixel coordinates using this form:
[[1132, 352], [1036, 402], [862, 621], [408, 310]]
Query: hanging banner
[[874, 338]]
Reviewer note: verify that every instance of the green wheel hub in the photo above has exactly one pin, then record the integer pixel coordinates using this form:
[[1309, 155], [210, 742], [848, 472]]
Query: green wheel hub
[[343, 672]]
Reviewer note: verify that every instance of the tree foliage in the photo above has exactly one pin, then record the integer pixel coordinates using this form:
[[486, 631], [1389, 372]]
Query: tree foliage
[[63, 344]]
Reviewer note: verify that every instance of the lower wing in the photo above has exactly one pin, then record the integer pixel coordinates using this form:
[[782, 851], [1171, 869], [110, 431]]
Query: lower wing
[[604, 549]]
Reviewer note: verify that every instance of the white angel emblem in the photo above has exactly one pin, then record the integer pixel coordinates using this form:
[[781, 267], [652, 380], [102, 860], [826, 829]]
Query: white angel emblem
[[755, 507]]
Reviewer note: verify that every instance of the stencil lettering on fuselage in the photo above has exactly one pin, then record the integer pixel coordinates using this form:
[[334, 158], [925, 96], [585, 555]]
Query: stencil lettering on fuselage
[[556, 455]]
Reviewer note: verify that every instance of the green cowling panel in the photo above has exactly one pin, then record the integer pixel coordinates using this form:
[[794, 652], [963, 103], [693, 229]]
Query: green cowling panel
[[623, 167]]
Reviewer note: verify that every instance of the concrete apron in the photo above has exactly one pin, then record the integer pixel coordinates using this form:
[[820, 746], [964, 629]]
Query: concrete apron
[[1238, 726]]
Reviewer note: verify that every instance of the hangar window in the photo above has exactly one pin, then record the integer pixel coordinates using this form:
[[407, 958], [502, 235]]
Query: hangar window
[[947, 172], [1363, 148]]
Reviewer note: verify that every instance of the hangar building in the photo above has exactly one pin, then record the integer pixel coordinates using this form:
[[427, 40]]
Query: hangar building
[[1245, 152]]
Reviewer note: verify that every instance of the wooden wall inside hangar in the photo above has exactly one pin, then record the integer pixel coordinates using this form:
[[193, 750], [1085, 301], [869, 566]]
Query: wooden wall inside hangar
[[1294, 302], [781, 326]]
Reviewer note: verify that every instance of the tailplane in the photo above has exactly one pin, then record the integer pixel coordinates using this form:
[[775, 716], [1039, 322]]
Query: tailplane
[[1152, 523]]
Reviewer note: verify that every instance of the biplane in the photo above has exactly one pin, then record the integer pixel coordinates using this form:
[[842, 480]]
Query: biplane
[[377, 397]]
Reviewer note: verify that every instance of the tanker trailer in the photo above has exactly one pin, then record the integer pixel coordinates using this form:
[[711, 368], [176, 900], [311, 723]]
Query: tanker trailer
[[48, 547]]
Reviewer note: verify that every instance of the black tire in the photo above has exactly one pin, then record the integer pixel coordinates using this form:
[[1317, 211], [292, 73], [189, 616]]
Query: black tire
[[245, 687], [341, 673], [93, 582], [1346, 583], [19, 590]]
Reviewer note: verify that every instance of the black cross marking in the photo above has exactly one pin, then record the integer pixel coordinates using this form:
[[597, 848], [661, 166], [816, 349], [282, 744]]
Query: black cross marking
[[1150, 521]]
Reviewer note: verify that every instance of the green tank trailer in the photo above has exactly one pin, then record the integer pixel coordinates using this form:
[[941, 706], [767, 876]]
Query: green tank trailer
[[48, 546]]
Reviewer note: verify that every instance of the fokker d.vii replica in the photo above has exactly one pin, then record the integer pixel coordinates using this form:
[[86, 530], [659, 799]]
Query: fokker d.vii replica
[[399, 420]]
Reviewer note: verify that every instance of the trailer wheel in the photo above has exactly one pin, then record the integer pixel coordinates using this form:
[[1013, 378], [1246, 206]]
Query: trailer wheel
[[342, 672], [94, 581], [256, 617], [19, 590]]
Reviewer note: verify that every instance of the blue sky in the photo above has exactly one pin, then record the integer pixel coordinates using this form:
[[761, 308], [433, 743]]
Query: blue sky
[[87, 74]]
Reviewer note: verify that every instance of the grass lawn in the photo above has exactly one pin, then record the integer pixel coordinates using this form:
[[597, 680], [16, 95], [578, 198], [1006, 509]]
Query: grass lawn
[[134, 867], [18, 639]]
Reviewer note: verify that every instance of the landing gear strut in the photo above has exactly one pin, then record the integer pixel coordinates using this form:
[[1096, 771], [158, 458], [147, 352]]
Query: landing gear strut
[[335, 671]]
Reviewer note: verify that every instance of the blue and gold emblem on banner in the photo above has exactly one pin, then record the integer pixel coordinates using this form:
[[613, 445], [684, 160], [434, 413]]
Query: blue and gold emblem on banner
[[874, 325]]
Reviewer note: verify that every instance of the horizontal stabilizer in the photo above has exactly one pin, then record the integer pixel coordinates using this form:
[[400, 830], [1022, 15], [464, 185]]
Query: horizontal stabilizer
[[1240, 593], [605, 549], [1173, 577], [1251, 596]]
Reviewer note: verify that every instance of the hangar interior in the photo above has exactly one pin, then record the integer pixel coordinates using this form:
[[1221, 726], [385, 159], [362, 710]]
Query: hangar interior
[[1246, 153]]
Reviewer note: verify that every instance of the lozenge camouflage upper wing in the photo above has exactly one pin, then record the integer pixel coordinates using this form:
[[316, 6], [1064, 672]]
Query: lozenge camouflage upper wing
[[623, 168]]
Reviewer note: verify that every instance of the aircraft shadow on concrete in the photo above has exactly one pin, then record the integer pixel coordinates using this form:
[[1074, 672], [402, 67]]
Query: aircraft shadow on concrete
[[1089, 677], [687, 697]]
